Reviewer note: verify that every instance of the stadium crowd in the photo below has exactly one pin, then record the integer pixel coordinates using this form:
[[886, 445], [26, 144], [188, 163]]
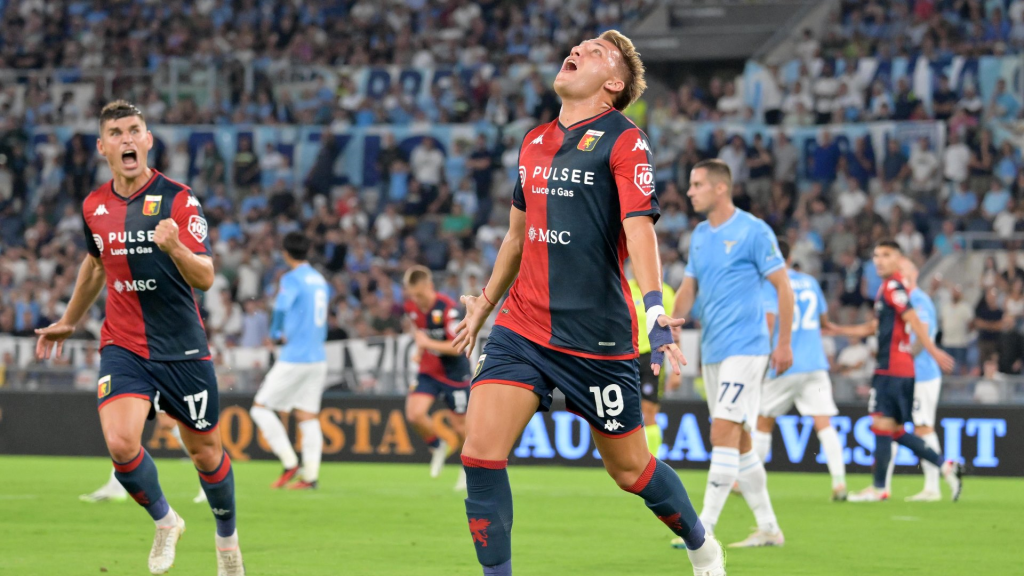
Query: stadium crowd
[[445, 208]]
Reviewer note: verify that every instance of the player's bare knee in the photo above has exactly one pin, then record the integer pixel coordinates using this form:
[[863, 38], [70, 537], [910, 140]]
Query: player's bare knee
[[303, 416], [482, 450], [726, 433], [121, 447], [923, 430], [766, 424], [822, 422]]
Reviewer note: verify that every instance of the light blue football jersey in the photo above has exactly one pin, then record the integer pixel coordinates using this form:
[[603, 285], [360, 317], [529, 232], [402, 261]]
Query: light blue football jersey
[[925, 367], [729, 263], [300, 315], [808, 305]]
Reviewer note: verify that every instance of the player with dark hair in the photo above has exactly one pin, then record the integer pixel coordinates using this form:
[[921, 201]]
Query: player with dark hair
[[296, 382], [731, 254], [147, 243], [892, 387], [443, 372], [806, 384], [584, 201]]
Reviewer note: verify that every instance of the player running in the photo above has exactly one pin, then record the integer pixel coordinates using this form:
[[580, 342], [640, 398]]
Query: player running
[[112, 491], [892, 387], [927, 385], [650, 382], [583, 203], [296, 382], [731, 253], [444, 373], [146, 237], [806, 383]]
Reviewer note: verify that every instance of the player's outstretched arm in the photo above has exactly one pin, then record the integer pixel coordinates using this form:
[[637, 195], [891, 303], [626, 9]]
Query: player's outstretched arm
[[686, 295], [196, 269], [442, 347], [91, 278], [829, 328], [782, 356], [921, 331], [506, 268], [642, 245]]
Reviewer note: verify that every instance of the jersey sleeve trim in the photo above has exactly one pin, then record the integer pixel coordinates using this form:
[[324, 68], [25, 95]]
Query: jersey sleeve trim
[[774, 269]]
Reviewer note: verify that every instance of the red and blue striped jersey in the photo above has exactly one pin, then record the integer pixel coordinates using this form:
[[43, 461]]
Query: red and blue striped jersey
[[439, 323], [151, 309], [577, 185], [894, 357]]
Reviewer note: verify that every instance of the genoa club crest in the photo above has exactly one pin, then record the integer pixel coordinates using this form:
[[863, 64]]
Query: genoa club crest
[[151, 205], [589, 140], [103, 387]]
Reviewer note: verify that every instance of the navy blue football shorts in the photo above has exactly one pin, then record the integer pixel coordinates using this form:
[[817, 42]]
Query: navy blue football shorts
[[185, 389], [892, 396], [456, 398], [605, 393]]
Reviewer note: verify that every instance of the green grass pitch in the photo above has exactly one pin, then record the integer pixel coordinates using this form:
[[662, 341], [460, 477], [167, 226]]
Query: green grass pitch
[[394, 520]]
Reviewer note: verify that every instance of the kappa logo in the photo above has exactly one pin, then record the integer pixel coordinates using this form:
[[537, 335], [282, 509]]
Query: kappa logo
[[192, 201], [589, 140], [101, 210], [522, 176], [728, 245], [643, 177], [197, 227], [672, 521], [612, 425], [202, 424], [478, 529], [220, 511], [641, 144], [99, 242], [103, 387], [538, 140]]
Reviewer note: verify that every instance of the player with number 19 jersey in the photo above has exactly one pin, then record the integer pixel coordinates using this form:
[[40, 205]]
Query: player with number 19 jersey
[[569, 320]]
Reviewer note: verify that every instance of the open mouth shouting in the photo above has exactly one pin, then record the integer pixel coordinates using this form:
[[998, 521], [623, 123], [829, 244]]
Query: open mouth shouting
[[569, 65], [130, 159]]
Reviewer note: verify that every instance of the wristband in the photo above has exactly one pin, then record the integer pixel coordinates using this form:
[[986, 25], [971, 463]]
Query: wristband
[[654, 308], [484, 294]]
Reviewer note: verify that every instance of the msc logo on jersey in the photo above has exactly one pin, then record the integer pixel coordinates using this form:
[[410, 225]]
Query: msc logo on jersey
[[134, 286], [151, 205], [641, 144], [643, 177], [101, 210], [549, 236], [192, 201], [589, 140], [197, 227], [103, 387], [99, 242]]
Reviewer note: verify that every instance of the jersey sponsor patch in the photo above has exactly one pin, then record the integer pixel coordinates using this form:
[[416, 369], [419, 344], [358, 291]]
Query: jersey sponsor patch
[[643, 177], [151, 205], [589, 140], [522, 176], [899, 297], [197, 227], [99, 242]]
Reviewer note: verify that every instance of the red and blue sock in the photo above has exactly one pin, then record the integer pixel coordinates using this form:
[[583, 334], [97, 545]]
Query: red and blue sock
[[883, 453], [665, 495], [219, 486], [489, 510], [140, 479], [917, 446], [433, 441]]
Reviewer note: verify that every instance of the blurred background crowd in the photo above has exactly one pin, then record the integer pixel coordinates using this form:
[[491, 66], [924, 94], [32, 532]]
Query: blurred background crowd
[[444, 204]]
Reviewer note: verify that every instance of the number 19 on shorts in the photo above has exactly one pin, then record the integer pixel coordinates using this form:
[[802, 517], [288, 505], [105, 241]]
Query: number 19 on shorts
[[608, 402]]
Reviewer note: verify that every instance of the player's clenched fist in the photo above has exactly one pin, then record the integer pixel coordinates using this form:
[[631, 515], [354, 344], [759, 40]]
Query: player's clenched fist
[[166, 236]]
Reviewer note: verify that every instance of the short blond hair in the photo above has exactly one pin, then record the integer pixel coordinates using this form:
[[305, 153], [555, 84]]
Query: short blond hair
[[634, 68], [416, 274]]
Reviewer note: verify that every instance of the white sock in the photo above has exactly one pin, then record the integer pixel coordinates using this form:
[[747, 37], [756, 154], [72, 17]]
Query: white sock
[[226, 542], [312, 448], [725, 464], [176, 432], [833, 455], [754, 485], [892, 467], [168, 520], [703, 557], [275, 435], [931, 471], [762, 444]]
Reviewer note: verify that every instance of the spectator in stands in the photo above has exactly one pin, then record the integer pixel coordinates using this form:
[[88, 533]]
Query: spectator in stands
[[481, 166], [955, 321], [247, 165], [735, 156], [824, 159], [426, 162], [996, 200], [924, 170], [970, 102], [796, 98], [826, 90], [943, 99], [786, 158], [856, 361], [1003, 105], [955, 160], [988, 321], [892, 197], [989, 389], [946, 241], [759, 166], [895, 167], [962, 202], [730, 105]]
